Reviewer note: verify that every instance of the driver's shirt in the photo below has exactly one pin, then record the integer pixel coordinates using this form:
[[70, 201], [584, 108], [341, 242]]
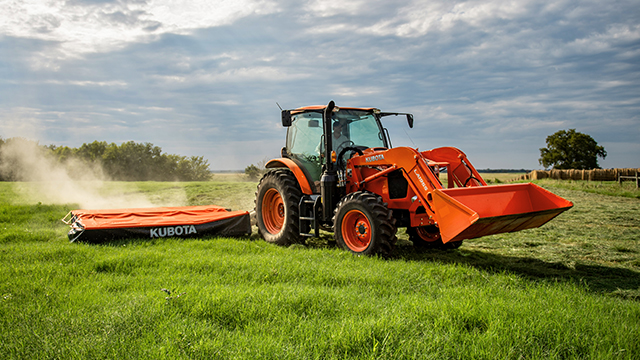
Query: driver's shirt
[[338, 143]]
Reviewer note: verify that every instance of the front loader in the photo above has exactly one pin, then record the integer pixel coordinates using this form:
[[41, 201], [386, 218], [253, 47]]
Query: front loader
[[351, 181]]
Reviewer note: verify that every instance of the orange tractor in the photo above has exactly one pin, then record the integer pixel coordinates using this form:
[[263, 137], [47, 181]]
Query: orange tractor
[[338, 172]]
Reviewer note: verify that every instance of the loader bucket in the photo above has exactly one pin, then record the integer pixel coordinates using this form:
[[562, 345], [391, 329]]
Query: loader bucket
[[471, 212]]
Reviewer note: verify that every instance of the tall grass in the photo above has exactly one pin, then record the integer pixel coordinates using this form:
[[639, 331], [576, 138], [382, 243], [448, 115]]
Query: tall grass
[[541, 293]]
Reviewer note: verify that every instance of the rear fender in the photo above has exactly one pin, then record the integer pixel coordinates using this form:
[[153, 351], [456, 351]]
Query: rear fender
[[304, 180]]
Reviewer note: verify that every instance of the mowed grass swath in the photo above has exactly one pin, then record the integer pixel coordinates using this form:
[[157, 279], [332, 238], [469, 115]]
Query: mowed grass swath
[[567, 290]]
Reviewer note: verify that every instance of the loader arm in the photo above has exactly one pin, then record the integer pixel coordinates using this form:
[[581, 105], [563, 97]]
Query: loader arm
[[460, 172], [470, 210]]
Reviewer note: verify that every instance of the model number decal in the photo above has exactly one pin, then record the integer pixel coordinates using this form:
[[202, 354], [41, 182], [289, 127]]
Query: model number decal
[[415, 171]]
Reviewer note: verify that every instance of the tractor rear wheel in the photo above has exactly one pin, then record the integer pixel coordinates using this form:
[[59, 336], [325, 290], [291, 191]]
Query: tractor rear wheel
[[277, 200], [363, 224], [428, 237]]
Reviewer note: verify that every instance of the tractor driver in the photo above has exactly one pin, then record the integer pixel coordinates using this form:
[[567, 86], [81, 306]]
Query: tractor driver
[[339, 139]]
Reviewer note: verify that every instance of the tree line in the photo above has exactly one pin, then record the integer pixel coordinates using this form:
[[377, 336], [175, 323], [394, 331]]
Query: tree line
[[129, 161]]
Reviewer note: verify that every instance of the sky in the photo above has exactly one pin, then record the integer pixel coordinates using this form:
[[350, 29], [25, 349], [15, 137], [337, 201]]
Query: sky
[[202, 78]]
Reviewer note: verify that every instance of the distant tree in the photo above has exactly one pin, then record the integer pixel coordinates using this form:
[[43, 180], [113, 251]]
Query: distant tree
[[256, 171], [199, 168], [194, 168], [571, 150], [92, 152], [61, 153], [134, 162], [253, 172]]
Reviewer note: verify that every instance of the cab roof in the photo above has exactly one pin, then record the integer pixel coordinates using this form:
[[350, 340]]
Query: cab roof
[[315, 108]]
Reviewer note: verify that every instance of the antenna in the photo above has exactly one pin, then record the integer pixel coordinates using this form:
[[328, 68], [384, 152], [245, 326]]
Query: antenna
[[414, 144], [279, 106]]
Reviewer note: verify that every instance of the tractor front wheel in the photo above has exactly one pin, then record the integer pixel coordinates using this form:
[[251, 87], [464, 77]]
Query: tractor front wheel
[[363, 224], [277, 200]]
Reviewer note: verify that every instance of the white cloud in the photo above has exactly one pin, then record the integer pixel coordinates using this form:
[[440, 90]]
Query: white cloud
[[421, 17], [99, 27], [368, 91], [118, 83], [326, 8], [597, 42], [239, 74]]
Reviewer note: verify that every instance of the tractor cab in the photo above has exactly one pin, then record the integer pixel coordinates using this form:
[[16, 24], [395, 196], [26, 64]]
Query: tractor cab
[[350, 128]]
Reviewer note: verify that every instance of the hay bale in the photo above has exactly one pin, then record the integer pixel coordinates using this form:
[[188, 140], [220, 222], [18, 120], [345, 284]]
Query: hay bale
[[604, 175], [628, 172], [575, 174], [538, 174]]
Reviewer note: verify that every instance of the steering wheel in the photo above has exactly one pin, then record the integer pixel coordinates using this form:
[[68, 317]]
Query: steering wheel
[[345, 144], [357, 149]]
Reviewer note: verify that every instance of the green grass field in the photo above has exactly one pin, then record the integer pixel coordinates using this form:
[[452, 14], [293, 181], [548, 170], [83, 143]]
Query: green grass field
[[568, 290]]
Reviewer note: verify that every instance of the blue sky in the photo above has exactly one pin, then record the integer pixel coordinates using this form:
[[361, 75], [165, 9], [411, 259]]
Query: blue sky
[[493, 78]]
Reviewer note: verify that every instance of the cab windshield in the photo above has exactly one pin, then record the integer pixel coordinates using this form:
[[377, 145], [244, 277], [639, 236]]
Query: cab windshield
[[360, 128]]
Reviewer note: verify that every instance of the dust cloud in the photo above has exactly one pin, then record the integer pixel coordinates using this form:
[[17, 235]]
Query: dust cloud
[[43, 179]]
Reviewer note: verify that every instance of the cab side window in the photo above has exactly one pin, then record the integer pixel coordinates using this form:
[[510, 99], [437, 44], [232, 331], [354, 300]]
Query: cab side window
[[303, 137]]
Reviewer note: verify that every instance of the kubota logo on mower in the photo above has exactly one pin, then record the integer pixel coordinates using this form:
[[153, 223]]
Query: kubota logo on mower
[[374, 158], [415, 171], [173, 231]]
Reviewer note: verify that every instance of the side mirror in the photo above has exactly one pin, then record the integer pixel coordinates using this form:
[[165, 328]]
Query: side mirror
[[286, 118], [410, 120]]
